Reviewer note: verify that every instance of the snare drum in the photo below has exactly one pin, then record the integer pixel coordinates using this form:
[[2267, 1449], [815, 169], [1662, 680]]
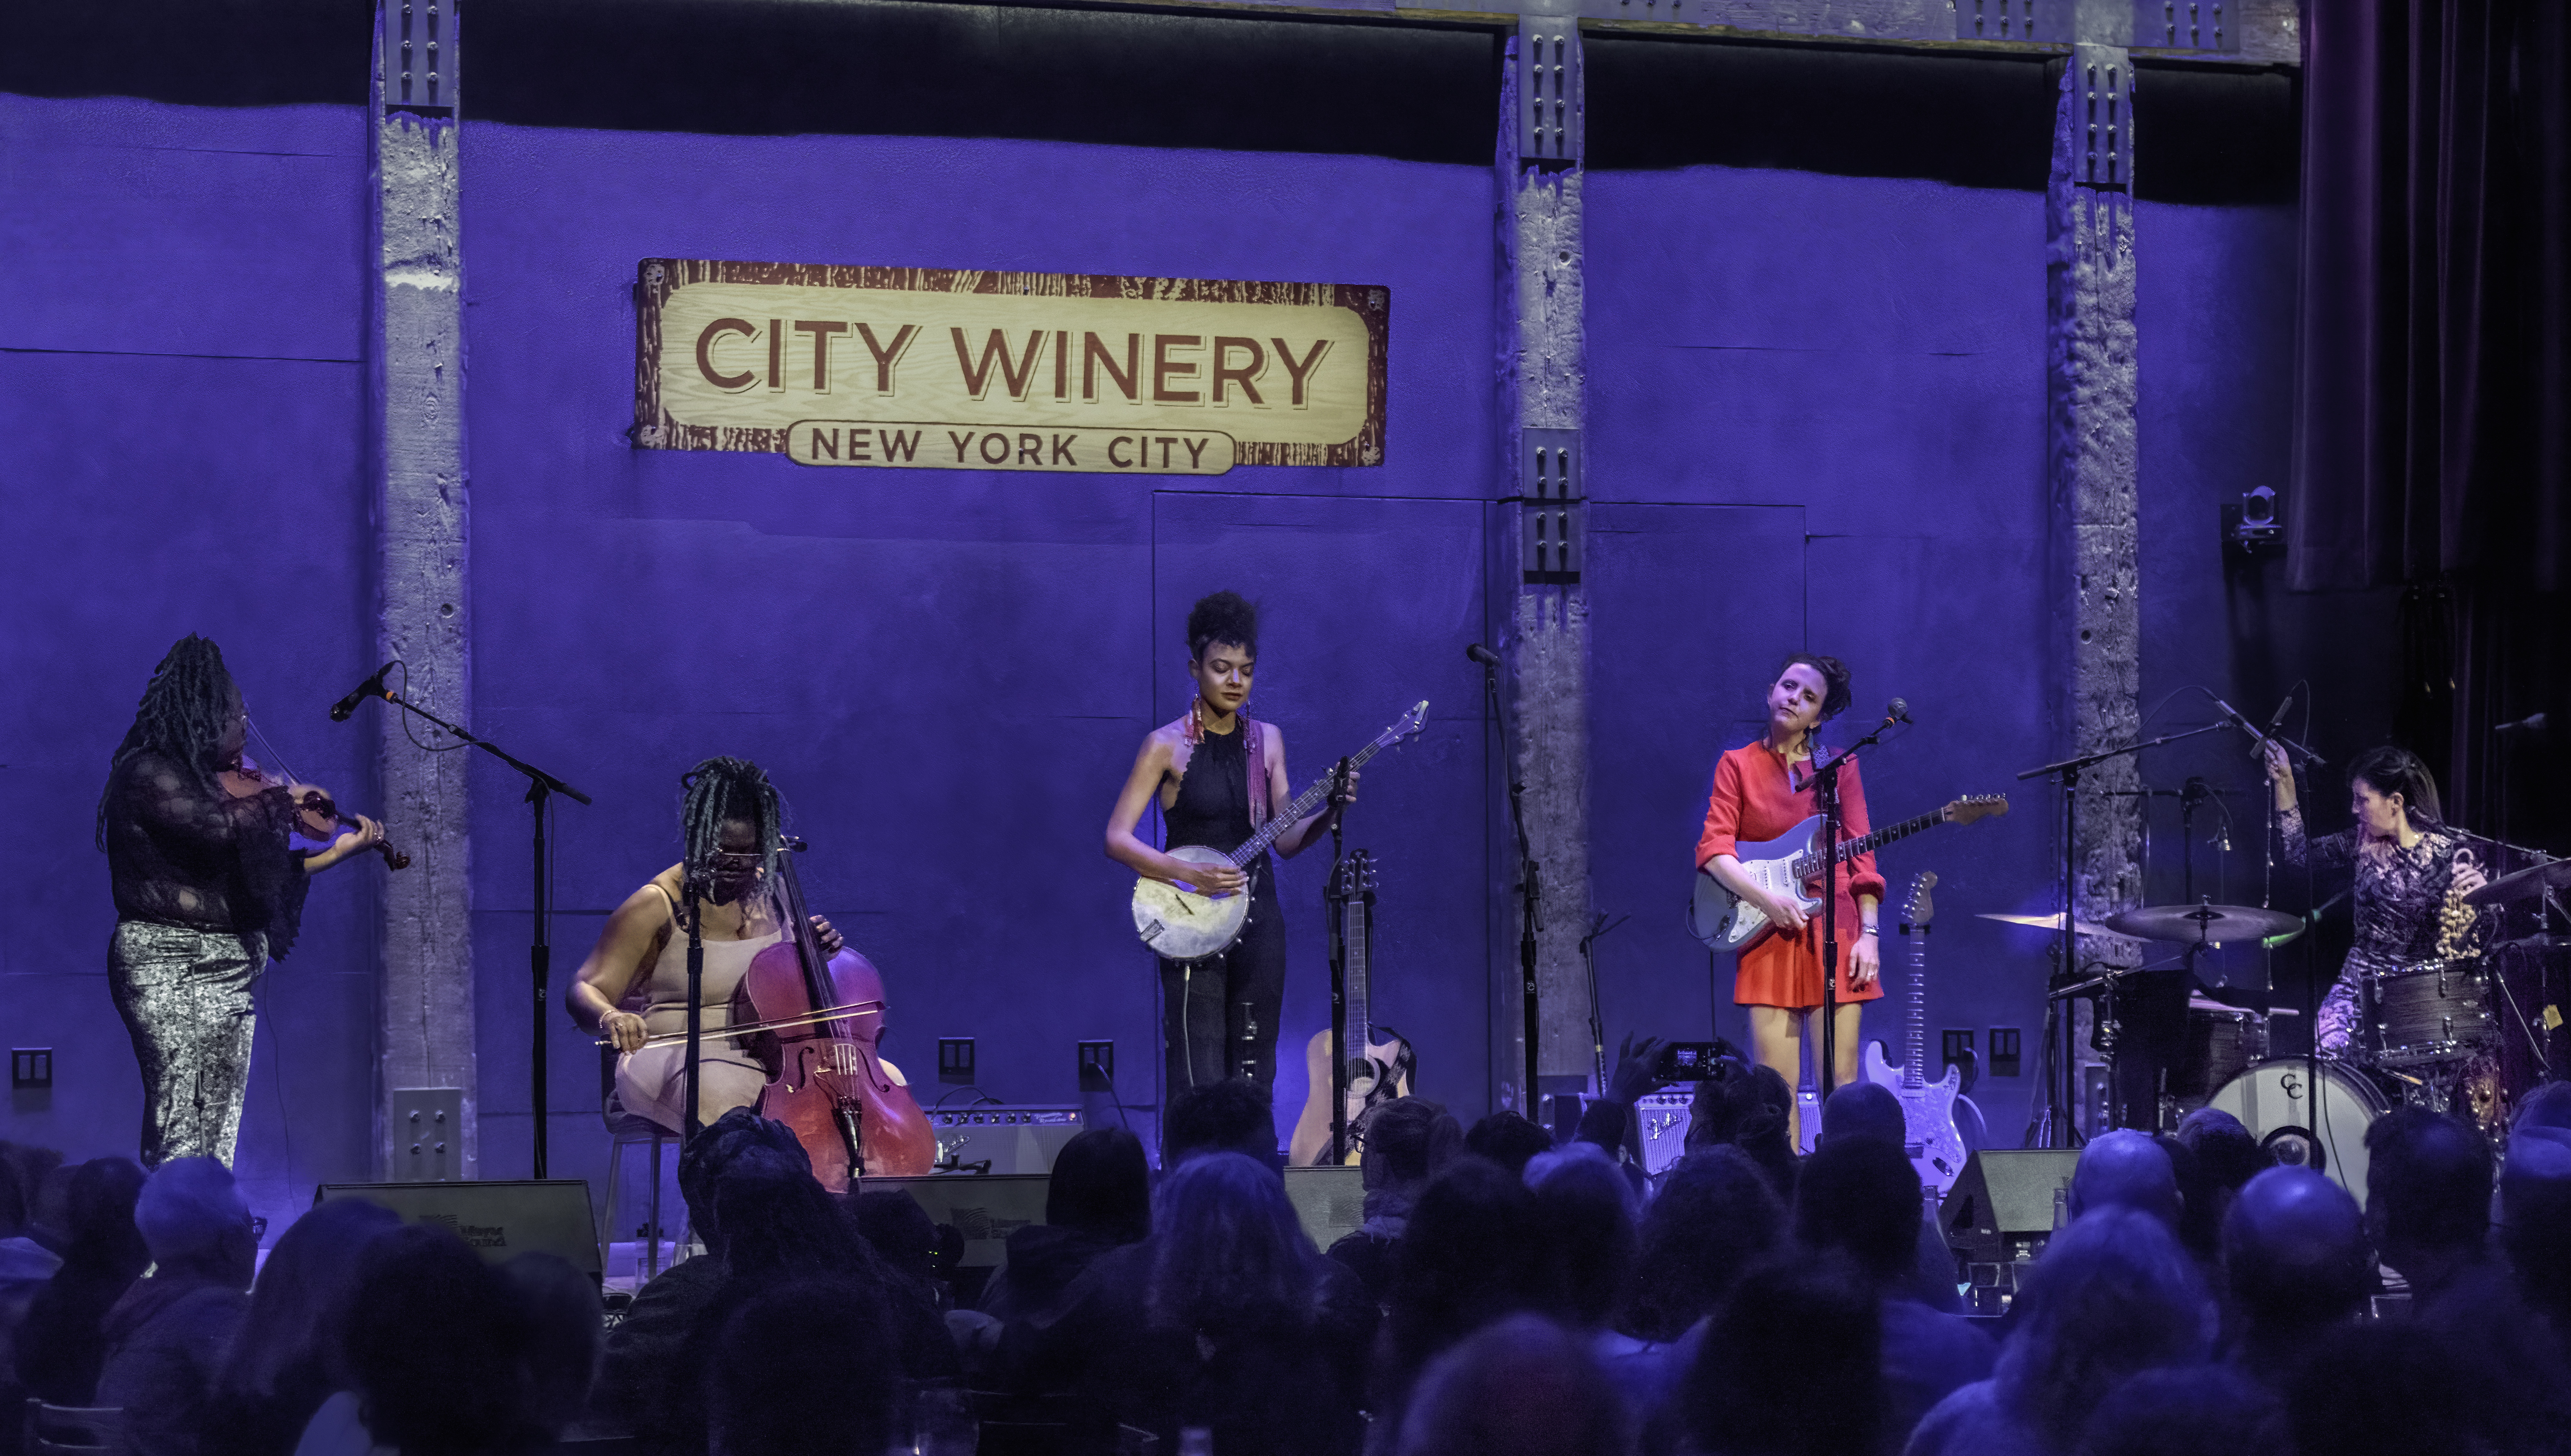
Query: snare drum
[[2435, 1011], [2221, 1043], [2276, 1102]]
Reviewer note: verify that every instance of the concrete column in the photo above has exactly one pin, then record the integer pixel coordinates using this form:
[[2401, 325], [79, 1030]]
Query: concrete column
[[417, 413], [2092, 372], [1542, 373]]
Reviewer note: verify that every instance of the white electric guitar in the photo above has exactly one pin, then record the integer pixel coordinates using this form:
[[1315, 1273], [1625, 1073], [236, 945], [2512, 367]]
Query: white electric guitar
[[1788, 865], [1929, 1136], [1181, 924]]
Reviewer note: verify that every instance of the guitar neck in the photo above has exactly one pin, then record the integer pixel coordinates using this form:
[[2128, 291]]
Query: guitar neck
[[1359, 1029], [1286, 818], [1914, 1071], [1811, 864]]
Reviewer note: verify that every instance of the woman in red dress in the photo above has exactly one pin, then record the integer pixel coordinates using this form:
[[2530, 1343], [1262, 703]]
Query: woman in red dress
[[1760, 791]]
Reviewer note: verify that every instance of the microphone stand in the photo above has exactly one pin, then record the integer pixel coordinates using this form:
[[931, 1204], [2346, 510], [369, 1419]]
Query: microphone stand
[[1334, 895], [2051, 1126], [1825, 790], [693, 1122], [541, 787], [1530, 897]]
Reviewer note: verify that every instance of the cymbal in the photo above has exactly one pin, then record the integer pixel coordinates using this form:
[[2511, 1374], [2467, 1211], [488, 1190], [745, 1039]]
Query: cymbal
[[2052, 922], [2203, 924], [2525, 884]]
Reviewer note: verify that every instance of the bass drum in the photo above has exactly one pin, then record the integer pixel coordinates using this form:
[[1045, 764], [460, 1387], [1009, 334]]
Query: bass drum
[[2276, 1101]]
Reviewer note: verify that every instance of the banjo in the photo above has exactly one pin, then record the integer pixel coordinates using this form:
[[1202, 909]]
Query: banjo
[[1183, 925]]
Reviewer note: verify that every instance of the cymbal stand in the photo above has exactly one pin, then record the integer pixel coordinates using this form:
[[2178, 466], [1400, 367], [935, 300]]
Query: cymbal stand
[[2050, 1126]]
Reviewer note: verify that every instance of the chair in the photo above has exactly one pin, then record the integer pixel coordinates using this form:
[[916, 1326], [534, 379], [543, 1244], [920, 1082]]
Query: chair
[[72, 1430], [626, 1130]]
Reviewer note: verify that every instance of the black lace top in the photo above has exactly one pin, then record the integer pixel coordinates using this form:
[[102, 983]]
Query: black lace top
[[180, 855], [1213, 807], [2398, 892]]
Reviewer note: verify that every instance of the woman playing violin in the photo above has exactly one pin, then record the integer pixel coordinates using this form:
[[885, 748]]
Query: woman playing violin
[[634, 986], [209, 886]]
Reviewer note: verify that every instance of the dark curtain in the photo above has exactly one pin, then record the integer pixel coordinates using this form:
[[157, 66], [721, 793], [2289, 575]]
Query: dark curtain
[[2433, 398]]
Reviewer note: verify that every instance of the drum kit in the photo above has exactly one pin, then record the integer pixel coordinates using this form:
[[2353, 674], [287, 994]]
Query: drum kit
[[2464, 1034]]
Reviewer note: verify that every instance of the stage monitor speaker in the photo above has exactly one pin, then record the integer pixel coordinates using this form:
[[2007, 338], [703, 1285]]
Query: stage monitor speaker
[[985, 1208], [500, 1220], [1328, 1201], [1010, 1138], [2001, 1210]]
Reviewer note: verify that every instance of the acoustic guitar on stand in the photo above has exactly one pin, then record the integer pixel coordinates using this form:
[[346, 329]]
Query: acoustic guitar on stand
[[1182, 925], [1790, 866], [1380, 1063]]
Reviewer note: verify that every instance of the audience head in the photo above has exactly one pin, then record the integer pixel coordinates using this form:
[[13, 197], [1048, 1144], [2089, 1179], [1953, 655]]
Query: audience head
[[1863, 1109], [1406, 1141], [899, 1231], [2535, 1218], [1227, 1254], [293, 1338], [779, 1224], [1521, 1387], [2224, 1148], [2125, 1169], [706, 1157], [2294, 1250], [1230, 1116], [2201, 1201], [1791, 1330], [195, 1222], [803, 1370], [1585, 1227], [564, 1332], [100, 1212], [435, 1339], [2113, 1295], [2187, 1410], [2374, 1389], [1508, 1139], [1717, 1216], [1468, 1257], [2427, 1186], [1746, 1105], [1858, 1195], [49, 1211], [1101, 1186], [2548, 1106]]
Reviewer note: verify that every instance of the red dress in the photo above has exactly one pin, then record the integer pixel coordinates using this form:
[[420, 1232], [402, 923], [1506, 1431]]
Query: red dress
[[1757, 796]]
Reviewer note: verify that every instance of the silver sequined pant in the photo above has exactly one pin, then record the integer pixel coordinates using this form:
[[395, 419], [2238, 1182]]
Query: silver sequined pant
[[186, 999]]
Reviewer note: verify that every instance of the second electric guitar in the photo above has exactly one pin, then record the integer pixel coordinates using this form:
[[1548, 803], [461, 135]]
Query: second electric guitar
[[1929, 1134], [1788, 865]]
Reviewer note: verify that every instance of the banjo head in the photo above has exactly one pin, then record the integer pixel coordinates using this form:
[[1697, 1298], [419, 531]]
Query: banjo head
[[1182, 925]]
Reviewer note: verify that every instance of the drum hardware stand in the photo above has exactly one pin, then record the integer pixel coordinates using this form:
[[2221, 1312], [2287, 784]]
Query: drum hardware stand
[[2051, 1125]]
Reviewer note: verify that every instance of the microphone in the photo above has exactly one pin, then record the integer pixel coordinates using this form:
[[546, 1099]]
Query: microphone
[[1482, 655], [2279, 721], [371, 688], [1896, 711], [2533, 722], [2234, 713]]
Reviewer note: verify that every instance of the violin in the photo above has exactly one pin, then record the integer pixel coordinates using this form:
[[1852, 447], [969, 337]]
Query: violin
[[316, 815], [815, 1021]]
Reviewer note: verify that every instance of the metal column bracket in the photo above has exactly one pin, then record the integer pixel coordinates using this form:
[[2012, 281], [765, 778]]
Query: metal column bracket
[[2199, 25], [2106, 142], [1994, 20], [1549, 129], [1549, 506], [420, 56]]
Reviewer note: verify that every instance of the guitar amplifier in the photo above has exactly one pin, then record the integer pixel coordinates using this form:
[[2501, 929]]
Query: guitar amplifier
[[1662, 1120], [1011, 1137]]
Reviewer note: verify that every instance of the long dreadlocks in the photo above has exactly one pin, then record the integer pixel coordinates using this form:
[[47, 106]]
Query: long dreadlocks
[[719, 792], [185, 711]]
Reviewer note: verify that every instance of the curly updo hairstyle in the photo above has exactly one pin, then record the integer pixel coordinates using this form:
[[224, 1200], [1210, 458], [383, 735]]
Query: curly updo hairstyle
[[1224, 617], [2395, 770], [1835, 679], [724, 790]]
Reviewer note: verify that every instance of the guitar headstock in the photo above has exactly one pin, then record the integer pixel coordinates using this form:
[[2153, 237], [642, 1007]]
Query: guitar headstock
[[1974, 806], [1355, 879], [1918, 909], [1403, 727]]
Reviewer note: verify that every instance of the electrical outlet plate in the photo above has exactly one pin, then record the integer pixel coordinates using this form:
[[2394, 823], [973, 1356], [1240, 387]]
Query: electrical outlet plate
[[955, 1061], [1101, 1054]]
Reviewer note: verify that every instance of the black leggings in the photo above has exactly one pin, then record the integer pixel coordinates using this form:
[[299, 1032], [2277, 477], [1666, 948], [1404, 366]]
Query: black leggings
[[1220, 1013]]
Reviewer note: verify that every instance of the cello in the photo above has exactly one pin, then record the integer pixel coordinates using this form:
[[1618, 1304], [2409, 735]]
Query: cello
[[824, 1078]]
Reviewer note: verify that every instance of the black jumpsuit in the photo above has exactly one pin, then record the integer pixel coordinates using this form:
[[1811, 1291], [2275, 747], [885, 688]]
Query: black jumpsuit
[[1219, 1015]]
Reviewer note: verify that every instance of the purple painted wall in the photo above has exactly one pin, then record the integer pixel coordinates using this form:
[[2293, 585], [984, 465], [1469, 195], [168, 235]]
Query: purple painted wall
[[179, 405], [1816, 411]]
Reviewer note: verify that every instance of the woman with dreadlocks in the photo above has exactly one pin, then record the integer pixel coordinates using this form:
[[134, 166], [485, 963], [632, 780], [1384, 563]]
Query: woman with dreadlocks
[[208, 888], [1215, 773], [634, 985]]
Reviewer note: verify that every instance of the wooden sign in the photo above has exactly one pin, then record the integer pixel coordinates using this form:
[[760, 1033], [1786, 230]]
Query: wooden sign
[[946, 369]]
